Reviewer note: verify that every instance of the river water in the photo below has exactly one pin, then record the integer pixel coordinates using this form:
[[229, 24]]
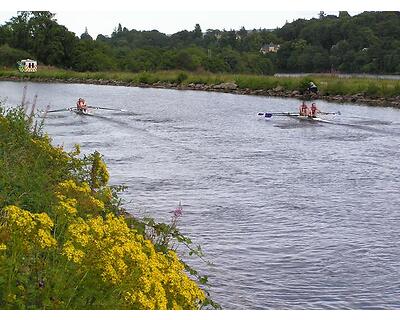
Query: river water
[[292, 214]]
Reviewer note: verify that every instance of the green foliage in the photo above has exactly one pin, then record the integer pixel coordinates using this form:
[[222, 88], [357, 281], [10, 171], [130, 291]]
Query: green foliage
[[256, 82], [98, 174], [182, 76], [9, 56], [335, 88], [25, 169], [367, 42], [372, 89], [78, 252]]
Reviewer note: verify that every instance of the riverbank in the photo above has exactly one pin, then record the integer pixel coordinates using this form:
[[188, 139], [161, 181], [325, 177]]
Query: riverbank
[[65, 243], [364, 91]]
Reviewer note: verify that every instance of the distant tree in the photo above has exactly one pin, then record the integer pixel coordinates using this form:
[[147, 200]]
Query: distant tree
[[344, 15], [367, 42], [215, 64], [9, 56], [258, 64], [197, 33], [102, 38]]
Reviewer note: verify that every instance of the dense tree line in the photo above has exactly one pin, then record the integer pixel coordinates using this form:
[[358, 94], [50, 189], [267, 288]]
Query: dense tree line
[[368, 42]]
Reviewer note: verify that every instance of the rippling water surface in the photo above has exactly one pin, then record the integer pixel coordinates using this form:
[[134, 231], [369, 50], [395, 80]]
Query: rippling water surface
[[293, 214]]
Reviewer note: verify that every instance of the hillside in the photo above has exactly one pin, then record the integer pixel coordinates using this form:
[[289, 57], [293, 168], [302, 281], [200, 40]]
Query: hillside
[[365, 43]]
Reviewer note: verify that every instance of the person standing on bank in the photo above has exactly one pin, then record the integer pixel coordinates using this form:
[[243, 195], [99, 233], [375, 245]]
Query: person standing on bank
[[312, 87]]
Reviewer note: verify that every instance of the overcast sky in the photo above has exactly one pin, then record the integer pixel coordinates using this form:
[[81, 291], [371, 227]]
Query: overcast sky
[[171, 22], [170, 16]]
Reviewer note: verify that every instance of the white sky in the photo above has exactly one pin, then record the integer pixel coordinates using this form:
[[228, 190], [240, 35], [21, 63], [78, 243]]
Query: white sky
[[170, 16], [171, 22]]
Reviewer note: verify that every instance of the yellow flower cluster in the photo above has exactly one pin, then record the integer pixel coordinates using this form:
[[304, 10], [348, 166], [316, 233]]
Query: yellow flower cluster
[[44, 147], [150, 279], [29, 228], [74, 198], [99, 175]]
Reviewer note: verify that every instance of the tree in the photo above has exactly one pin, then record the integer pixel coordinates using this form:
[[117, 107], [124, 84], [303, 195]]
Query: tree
[[343, 15], [258, 63], [197, 33], [10, 56]]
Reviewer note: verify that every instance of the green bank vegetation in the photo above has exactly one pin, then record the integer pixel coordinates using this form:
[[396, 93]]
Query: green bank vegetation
[[65, 242], [328, 85]]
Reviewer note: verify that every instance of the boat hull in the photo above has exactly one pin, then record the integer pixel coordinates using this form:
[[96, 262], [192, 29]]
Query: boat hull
[[307, 118], [81, 112]]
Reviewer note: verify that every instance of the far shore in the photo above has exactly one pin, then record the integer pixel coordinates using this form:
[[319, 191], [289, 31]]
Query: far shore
[[362, 91]]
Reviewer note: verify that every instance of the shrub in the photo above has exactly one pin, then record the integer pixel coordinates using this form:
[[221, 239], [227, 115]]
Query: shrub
[[182, 76], [64, 243]]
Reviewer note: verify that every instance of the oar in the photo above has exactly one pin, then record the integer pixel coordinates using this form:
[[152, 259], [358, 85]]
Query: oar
[[58, 110], [270, 114], [101, 108], [337, 112]]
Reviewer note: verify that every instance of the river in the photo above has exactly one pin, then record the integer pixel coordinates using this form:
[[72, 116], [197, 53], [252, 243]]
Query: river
[[292, 214]]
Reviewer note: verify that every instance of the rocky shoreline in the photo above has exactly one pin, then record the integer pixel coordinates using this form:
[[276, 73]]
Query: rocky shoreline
[[232, 88]]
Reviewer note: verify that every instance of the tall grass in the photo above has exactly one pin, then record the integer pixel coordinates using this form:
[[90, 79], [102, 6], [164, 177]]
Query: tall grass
[[328, 85]]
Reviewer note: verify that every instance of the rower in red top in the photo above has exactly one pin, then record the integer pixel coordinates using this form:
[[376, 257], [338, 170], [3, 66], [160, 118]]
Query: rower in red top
[[81, 105], [314, 110], [303, 110]]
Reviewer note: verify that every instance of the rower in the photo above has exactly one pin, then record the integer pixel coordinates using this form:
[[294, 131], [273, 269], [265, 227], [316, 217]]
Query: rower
[[314, 110], [303, 110], [81, 105]]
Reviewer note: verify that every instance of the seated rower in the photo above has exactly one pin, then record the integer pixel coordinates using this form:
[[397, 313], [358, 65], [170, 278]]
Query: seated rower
[[303, 110], [314, 110], [81, 105]]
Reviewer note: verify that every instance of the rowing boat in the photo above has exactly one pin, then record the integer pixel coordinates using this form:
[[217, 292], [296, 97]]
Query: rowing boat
[[86, 112], [307, 118], [81, 112], [298, 116]]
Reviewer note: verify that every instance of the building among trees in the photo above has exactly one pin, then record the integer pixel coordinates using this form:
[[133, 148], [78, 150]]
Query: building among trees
[[267, 48]]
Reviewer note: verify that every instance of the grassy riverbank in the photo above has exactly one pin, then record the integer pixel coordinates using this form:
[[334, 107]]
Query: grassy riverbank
[[363, 91], [65, 243], [328, 85]]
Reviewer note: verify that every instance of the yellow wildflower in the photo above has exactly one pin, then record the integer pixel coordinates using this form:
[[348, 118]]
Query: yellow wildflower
[[75, 198], [31, 229], [109, 248], [45, 239], [73, 254]]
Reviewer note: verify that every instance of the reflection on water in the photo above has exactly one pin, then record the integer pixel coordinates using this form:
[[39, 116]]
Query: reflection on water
[[293, 214]]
